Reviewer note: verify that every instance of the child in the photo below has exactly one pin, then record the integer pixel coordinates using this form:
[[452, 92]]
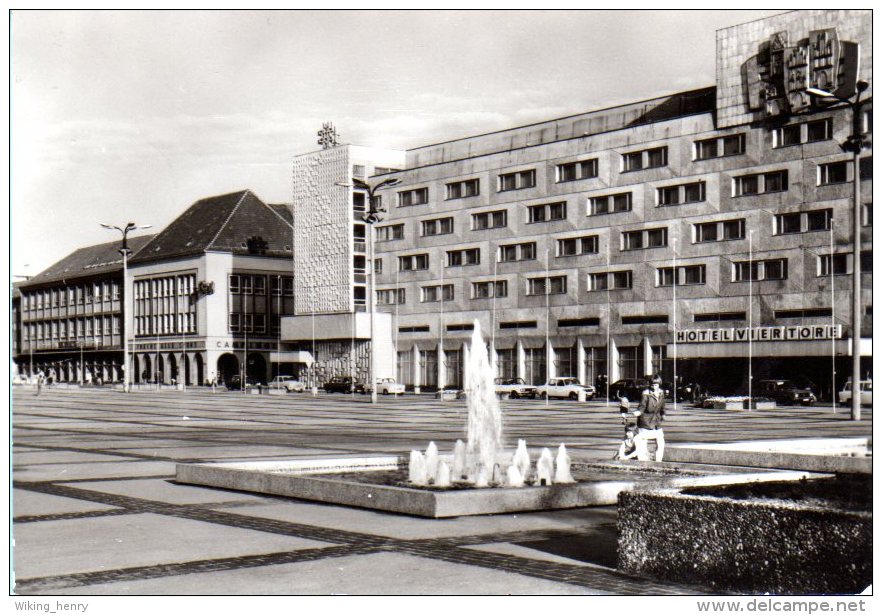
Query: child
[[628, 448]]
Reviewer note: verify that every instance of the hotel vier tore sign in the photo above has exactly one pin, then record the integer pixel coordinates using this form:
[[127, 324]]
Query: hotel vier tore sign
[[781, 72], [760, 334]]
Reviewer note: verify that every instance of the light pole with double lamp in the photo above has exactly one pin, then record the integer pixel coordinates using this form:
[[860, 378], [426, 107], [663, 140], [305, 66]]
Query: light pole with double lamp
[[854, 143], [371, 217], [125, 251]]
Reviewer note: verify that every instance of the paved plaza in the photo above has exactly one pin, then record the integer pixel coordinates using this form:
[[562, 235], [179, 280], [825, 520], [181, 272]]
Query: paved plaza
[[96, 510]]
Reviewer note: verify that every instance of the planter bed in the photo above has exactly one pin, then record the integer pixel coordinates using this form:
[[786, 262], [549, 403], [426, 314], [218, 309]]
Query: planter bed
[[811, 537]]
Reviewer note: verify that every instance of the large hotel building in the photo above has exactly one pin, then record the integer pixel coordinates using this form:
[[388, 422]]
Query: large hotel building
[[692, 232]]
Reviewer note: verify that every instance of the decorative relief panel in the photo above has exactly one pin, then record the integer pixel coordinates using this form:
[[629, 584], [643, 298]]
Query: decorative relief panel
[[322, 232]]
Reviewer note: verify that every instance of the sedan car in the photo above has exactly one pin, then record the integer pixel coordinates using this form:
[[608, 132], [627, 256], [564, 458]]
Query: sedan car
[[385, 386], [785, 393], [340, 384], [235, 383], [866, 393], [565, 388], [288, 383], [514, 388]]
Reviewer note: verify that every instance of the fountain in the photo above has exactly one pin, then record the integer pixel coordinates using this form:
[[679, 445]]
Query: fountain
[[435, 484]]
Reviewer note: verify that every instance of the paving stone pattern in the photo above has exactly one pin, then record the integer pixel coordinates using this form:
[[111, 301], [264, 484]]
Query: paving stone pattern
[[199, 425]]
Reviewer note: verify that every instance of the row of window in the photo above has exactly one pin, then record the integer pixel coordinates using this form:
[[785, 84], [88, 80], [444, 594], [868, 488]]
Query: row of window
[[71, 329], [683, 275], [703, 232], [643, 319], [656, 157], [95, 292], [746, 185], [246, 284], [165, 305]]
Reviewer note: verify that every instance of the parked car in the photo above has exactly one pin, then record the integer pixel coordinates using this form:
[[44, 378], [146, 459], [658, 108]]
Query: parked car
[[632, 388], [514, 388], [785, 393], [385, 386], [340, 384], [566, 388], [289, 383], [235, 383], [866, 393]]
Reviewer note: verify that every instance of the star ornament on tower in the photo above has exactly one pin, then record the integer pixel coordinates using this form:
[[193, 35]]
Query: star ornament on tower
[[327, 136]]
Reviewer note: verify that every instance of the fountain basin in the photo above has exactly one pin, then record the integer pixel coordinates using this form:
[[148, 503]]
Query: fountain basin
[[364, 482]]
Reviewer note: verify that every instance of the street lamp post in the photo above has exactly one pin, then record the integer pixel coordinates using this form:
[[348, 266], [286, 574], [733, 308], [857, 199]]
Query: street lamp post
[[854, 143], [371, 217], [125, 251]]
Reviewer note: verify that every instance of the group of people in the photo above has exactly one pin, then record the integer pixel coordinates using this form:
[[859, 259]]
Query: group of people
[[643, 424]]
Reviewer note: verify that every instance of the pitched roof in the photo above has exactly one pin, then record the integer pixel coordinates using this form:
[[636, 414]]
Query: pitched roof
[[223, 223], [87, 262], [285, 210]]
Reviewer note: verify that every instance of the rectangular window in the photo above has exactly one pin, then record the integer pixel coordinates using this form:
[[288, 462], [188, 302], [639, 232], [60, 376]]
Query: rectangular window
[[686, 275], [417, 196], [439, 226], [573, 171], [432, 294], [833, 173], [414, 329], [648, 319], [645, 159], [378, 266], [819, 130], [578, 322], [613, 203], [547, 212], [612, 280], [555, 285], [464, 258], [489, 219], [679, 195], [488, 290], [413, 262], [806, 313], [463, 189], [647, 238], [803, 222], [391, 296], [234, 285], [516, 181], [719, 316], [805, 132], [522, 324], [517, 252], [839, 263], [719, 231], [574, 246], [390, 233], [719, 147], [759, 183], [774, 269]]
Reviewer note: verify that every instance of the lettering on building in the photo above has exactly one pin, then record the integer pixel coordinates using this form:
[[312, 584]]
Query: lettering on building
[[760, 334]]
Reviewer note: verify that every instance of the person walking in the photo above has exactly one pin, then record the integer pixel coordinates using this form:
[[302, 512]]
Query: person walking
[[40, 378], [650, 414]]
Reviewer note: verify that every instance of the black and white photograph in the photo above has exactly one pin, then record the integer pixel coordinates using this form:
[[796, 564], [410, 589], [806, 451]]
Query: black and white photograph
[[411, 303]]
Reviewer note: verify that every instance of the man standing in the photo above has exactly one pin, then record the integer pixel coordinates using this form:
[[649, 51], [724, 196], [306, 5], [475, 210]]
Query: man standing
[[40, 379], [650, 414]]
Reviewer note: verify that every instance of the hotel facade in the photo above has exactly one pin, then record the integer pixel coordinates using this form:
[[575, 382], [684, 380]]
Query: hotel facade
[[692, 232]]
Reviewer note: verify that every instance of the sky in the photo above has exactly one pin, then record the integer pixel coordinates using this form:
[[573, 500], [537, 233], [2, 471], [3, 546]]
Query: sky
[[133, 116]]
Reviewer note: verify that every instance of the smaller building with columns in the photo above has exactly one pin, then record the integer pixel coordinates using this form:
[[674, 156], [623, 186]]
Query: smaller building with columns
[[208, 292]]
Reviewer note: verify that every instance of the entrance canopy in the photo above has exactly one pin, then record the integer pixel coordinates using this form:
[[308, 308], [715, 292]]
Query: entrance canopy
[[292, 356]]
